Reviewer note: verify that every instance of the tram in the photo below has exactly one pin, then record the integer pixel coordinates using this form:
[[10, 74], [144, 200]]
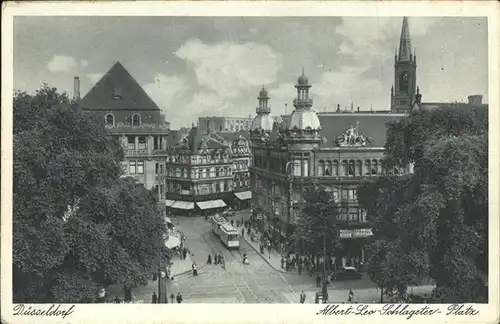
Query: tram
[[227, 233]]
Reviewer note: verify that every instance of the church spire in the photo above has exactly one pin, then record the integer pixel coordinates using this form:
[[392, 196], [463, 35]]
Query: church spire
[[405, 42]]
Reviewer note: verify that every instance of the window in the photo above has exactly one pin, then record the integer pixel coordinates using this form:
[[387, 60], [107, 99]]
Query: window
[[335, 168], [156, 143], [131, 142], [368, 167], [157, 168], [374, 167], [131, 167], [226, 186], [110, 120], [142, 143], [345, 194], [217, 187], [359, 168], [351, 168], [116, 94], [344, 168], [140, 167], [136, 120], [161, 168]]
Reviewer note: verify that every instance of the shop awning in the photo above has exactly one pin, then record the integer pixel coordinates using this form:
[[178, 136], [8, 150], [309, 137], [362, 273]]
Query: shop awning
[[243, 195], [169, 202], [183, 205], [211, 204]]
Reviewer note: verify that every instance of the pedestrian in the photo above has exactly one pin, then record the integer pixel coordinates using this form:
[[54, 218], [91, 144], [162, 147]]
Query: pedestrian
[[179, 298], [242, 232], [172, 297], [184, 253], [282, 262], [216, 259], [316, 298], [350, 298], [302, 297], [195, 269], [154, 298], [223, 262], [209, 261], [318, 280], [299, 267], [117, 300]]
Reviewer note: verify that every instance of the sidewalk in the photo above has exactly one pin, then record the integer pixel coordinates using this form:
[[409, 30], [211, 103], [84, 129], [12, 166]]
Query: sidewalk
[[272, 258]]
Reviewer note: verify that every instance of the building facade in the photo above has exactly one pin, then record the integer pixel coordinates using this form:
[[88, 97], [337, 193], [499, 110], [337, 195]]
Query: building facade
[[134, 119], [224, 124], [205, 172], [337, 150]]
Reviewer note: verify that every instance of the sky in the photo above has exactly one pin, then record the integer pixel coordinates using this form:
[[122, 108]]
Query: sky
[[216, 66]]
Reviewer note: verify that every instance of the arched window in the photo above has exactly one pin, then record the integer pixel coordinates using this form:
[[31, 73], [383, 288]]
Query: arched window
[[351, 167], [380, 167], [335, 168], [374, 167], [321, 168], [345, 168], [368, 167], [359, 169], [136, 120], [110, 120]]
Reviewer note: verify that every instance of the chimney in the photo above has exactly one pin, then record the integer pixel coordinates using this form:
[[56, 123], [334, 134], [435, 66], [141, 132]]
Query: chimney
[[76, 88], [475, 99]]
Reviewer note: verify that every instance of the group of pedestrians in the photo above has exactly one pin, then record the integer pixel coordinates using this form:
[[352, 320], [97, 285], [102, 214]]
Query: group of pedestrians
[[217, 259], [178, 298]]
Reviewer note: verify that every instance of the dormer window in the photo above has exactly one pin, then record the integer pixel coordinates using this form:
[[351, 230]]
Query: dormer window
[[116, 94], [136, 120], [110, 120]]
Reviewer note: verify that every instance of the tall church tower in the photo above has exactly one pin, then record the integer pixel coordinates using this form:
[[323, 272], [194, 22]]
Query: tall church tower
[[405, 73]]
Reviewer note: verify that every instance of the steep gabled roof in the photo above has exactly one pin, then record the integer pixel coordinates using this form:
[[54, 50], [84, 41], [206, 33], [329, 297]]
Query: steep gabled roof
[[119, 81]]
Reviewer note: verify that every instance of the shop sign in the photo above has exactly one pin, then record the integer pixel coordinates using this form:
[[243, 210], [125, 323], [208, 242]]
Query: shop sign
[[356, 233]]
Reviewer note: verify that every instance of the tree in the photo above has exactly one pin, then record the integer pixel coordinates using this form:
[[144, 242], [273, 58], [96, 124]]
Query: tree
[[434, 220], [76, 225], [317, 226]]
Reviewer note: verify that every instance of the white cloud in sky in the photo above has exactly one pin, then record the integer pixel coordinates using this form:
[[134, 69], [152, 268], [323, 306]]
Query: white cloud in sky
[[94, 77], [61, 64], [229, 69], [165, 90], [84, 63]]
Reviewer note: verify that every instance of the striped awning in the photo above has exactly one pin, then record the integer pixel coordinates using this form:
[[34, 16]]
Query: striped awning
[[169, 202], [211, 204], [243, 195], [183, 205]]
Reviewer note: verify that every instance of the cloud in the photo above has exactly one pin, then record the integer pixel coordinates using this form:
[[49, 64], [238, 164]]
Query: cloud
[[229, 69], [94, 77], [84, 63], [365, 38], [342, 86], [165, 90], [61, 64]]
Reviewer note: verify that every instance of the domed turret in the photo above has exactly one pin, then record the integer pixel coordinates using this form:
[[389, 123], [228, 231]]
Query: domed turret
[[303, 80], [304, 119], [263, 121], [263, 93]]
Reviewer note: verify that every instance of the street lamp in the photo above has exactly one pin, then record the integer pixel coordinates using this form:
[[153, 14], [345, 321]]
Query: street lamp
[[162, 280]]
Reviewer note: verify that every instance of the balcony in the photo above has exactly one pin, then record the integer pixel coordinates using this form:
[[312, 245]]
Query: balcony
[[135, 152]]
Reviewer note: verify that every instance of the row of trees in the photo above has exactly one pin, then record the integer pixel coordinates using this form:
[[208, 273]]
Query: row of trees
[[77, 225], [430, 224]]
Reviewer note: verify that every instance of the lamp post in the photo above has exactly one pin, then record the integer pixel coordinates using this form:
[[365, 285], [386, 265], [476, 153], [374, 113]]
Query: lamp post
[[162, 281]]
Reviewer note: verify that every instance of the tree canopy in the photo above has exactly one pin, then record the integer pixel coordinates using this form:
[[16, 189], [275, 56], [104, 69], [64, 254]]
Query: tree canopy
[[77, 226], [435, 219], [317, 225]]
